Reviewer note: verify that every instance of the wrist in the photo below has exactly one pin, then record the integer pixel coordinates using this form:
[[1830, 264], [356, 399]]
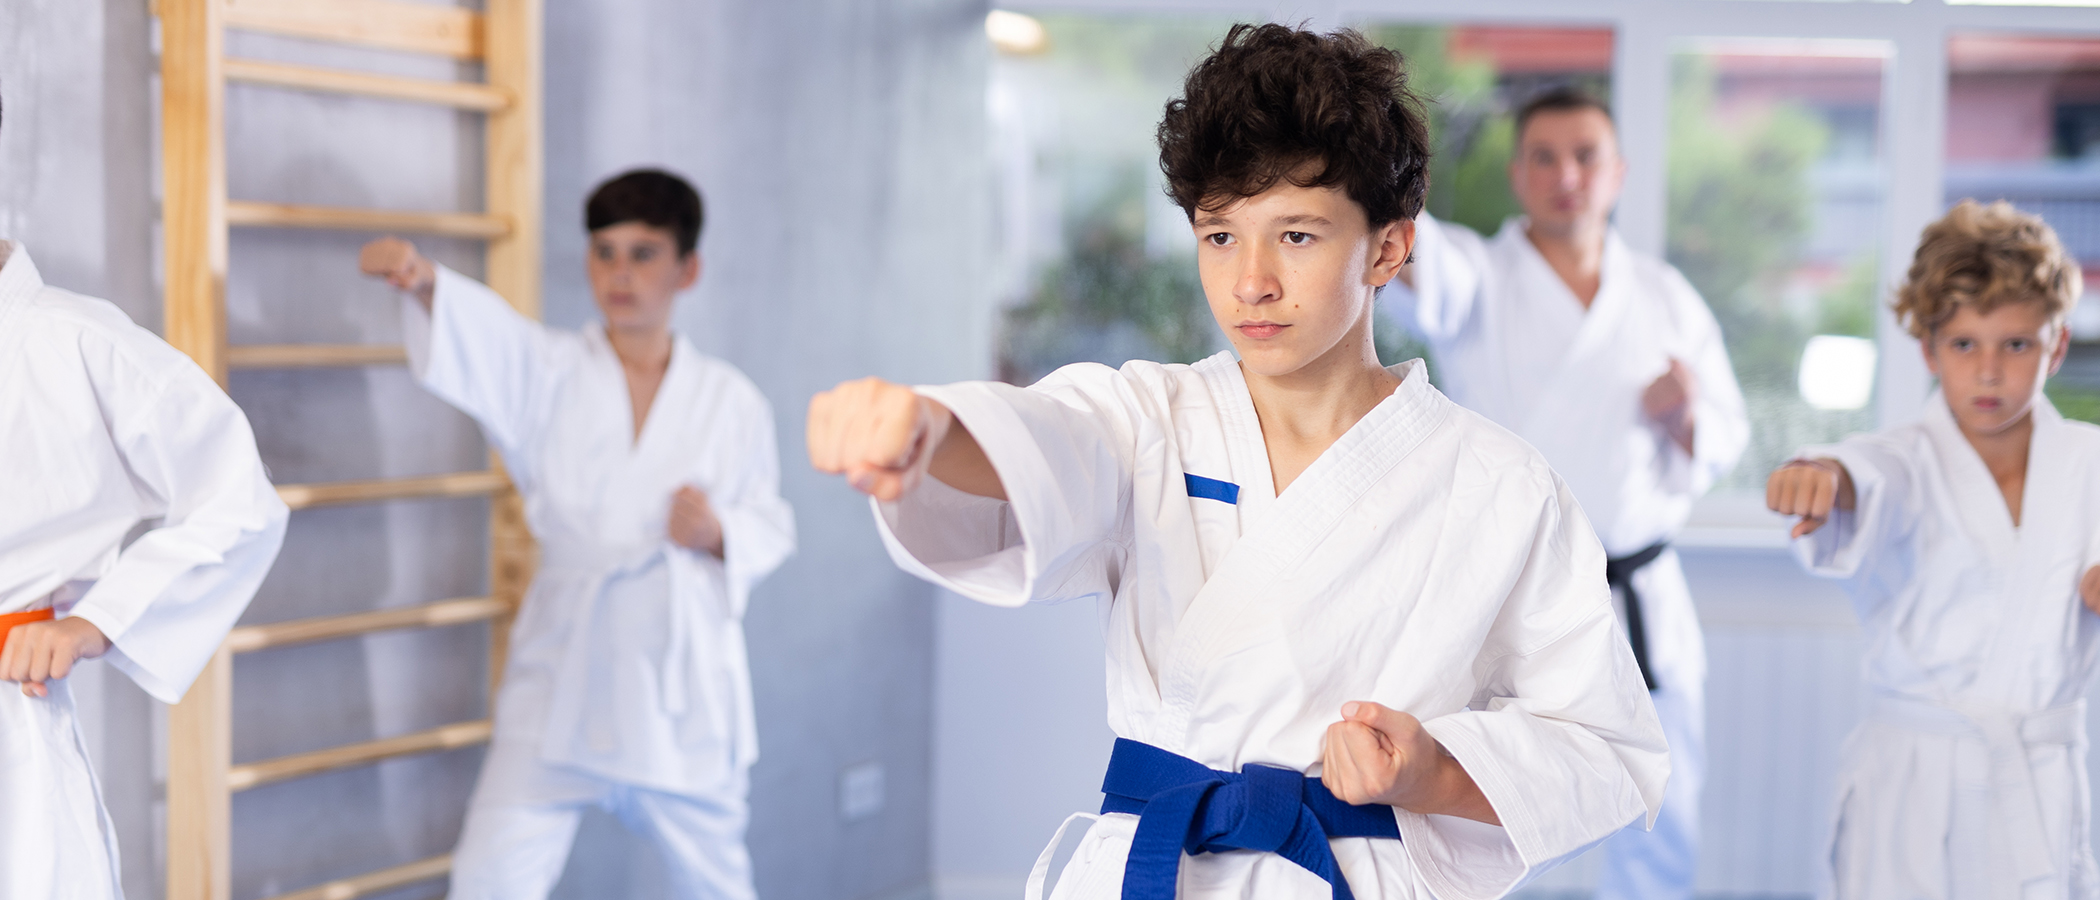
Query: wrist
[[1455, 793], [86, 636]]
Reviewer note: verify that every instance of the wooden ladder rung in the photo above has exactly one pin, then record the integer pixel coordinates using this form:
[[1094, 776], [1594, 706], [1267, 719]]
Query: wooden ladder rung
[[375, 882], [250, 214], [314, 356], [462, 94], [250, 638], [456, 484], [388, 24], [301, 765]]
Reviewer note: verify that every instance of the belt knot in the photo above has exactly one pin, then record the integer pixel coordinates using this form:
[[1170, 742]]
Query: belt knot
[[1184, 806]]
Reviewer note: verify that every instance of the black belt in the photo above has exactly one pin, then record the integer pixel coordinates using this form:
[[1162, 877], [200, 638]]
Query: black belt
[[1618, 573]]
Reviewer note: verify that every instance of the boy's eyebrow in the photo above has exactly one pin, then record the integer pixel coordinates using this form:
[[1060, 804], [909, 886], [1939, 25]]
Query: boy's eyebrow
[[1209, 220], [1304, 219]]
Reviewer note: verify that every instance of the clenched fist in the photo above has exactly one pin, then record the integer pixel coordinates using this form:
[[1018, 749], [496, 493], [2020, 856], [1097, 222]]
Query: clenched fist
[[1385, 756], [46, 651], [884, 438], [693, 523], [1668, 400], [1809, 488], [398, 262]]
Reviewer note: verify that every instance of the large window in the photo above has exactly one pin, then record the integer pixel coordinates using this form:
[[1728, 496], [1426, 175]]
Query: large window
[[1102, 266], [2023, 125], [1775, 215]]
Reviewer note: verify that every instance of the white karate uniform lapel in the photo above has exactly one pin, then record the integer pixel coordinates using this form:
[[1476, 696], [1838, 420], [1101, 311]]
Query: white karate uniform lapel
[[1238, 604]]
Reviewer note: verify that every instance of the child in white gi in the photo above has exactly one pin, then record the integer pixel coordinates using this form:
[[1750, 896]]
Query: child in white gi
[[102, 426], [651, 482], [1359, 639], [1966, 541]]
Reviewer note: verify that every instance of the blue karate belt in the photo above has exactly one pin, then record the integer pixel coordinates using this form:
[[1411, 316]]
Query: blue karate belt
[[1185, 806]]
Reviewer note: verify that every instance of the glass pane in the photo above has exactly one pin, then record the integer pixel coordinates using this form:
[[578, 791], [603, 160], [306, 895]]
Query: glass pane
[[2023, 125], [1775, 193], [1102, 266]]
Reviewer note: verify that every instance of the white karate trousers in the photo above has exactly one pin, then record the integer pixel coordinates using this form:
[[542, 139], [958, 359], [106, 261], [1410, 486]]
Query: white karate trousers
[[1661, 864], [524, 815]]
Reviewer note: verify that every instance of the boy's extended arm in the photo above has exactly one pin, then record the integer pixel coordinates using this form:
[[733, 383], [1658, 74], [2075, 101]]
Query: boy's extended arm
[[467, 345], [885, 437]]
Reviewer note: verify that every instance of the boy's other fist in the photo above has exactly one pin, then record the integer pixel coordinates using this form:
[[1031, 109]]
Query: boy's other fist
[[881, 436], [1809, 488], [46, 651], [398, 262], [2089, 589], [693, 522], [1385, 756]]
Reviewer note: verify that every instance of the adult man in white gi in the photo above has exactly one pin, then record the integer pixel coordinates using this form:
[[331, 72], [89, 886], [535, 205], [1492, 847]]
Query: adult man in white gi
[[103, 426], [1610, 364]]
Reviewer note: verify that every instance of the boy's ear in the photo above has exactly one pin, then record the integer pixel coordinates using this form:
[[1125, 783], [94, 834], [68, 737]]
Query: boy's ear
[[1396, 243], [689, 273], [2063, 346]]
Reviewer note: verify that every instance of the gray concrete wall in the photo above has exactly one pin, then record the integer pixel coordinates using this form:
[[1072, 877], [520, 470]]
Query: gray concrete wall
[[840, 148]]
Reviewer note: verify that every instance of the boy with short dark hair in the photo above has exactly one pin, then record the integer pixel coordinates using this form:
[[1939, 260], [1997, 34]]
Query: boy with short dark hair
[[1970, 544], [1359, 640], [650, 481]]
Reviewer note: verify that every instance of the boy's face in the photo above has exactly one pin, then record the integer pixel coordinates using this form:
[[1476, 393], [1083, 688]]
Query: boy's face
[[636, 272], [1992, 366], [1566, 171], [1290, 273]]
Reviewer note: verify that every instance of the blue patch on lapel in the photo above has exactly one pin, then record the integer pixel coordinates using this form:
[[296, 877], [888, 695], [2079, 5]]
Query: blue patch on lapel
[[1212, 489]]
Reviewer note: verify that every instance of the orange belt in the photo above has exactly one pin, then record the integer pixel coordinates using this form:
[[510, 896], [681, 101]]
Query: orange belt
[[9, 621]]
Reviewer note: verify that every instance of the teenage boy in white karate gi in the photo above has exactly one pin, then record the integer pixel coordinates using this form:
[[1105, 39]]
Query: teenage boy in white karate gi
[[651, 482], [103, 426], [1359, 640], [1970, 545], [1609, 363]]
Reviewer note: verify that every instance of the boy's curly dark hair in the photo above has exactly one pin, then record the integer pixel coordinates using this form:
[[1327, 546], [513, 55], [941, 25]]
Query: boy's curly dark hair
[[1275, 102]]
